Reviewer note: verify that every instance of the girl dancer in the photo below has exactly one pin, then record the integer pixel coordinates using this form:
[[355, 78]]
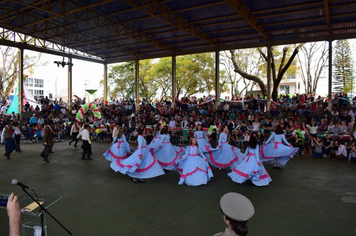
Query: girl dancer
[[225, 155], [166, 154], [141, 164], [251, 167], [156, 140], [202, 139], [275, 152], [193, 167], [120, 148]]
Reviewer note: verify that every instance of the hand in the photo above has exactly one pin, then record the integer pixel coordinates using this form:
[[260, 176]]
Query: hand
[[290, 145], [159, 146], [259, 163], [140, 156], [265, 144], [14, 213], [180, 158], [220, 147], [45, 143]]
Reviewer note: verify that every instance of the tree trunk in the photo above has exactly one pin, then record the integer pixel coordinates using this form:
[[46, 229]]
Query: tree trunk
[[246, 75]]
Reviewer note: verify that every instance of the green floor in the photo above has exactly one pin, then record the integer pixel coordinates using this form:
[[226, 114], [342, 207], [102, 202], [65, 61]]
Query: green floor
[[309, 197]]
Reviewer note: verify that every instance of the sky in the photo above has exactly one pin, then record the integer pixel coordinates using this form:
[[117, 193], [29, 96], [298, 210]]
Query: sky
[[87, 75]]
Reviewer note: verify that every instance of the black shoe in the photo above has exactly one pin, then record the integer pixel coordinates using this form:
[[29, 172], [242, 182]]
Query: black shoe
[[75, 146], [46, 160], [141, 181], [83, 158], [7, 156], [70, 144], [133, 180], [52, 152], [89, 159], [42, 155]]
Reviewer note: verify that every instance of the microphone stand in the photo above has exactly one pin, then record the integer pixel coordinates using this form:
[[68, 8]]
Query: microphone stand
[[45, 210]]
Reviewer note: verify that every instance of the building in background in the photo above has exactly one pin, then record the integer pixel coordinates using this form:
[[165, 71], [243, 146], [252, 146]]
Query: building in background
[[40, 88]]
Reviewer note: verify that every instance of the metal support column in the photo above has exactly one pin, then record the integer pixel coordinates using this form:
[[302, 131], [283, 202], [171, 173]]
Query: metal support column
[[70, 85], [21, 82], [269, 52], [217, 73], [137, 74], [174, 65], [330, 73], [105, 80]]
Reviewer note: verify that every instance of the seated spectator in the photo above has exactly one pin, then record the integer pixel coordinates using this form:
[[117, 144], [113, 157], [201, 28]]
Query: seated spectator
[[327, 145], [335, 131], [172, 123], [317, 143], [341, 152], [352, 155], [177, 135], [343, 127], [29, 132]]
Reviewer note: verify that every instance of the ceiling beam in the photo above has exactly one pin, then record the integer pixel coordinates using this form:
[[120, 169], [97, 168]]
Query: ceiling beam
[[163, 13], [240, 7], [327, 15], [111, 25]]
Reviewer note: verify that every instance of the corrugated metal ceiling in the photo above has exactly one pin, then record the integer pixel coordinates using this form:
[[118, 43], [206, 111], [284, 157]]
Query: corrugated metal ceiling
[[125, 29]]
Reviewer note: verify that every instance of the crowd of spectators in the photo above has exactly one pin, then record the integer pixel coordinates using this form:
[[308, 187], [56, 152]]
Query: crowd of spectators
[[307, 122]]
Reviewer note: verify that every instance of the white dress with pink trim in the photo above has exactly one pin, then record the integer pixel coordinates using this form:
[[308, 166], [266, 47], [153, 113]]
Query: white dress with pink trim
[[202, 139], [226, 156], [275, 152], [153, 146], [133, 166], [194, 168], [167, 156], [120, 149], [249, 169]]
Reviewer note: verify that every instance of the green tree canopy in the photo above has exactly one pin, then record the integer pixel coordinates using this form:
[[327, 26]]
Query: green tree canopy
[[343, 66]]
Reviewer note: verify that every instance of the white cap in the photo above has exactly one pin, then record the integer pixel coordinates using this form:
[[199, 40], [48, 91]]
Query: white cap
[[237, 207]]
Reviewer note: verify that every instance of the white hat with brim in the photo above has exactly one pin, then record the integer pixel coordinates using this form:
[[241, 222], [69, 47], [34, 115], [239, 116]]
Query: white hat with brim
[[236, 207]]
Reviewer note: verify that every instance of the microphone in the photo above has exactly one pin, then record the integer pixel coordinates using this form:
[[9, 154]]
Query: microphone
[[16, 182]]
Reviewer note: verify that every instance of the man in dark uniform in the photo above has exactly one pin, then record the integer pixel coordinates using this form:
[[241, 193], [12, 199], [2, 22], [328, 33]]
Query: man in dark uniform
[[47, 141], [86, 142], [10, 144], [74, 131], [17, 136]]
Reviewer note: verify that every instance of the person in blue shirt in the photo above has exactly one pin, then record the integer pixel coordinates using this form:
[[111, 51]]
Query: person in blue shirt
[[33, 120]]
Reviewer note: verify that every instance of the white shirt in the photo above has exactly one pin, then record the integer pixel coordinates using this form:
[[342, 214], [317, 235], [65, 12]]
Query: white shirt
[[342, 151], [85, 135], [114, 132], [185, 124], [172, 124]]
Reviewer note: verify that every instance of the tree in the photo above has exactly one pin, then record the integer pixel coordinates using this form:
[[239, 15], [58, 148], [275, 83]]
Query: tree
[[313, 60], [277, 57], [343, 66], [147, 86], [230, 73], [121, 80], [10, 68], [162, 72]]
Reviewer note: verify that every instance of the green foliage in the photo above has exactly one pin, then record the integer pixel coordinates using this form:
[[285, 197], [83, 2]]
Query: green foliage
[[121, 80], [194, 74], [343, 66]]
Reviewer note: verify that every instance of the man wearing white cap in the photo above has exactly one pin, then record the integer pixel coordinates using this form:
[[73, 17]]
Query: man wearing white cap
[[237, 210]]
